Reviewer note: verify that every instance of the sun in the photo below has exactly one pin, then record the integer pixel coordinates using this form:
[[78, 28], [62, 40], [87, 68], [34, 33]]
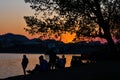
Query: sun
[[67, 37]]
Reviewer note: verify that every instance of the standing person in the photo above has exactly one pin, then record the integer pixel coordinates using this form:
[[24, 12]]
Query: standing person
[[64, 61], [57, 65], [24, 63], [52, 58]]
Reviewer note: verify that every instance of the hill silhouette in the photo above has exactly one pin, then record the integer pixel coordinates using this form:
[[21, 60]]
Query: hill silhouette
[[16, 43]]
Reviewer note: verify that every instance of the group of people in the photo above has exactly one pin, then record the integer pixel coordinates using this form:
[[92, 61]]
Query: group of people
[[55, 62]]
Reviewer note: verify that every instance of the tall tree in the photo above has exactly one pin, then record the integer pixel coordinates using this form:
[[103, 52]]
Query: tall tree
[[80, 16]]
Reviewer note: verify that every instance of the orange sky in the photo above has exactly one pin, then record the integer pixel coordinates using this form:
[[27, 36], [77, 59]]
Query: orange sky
[[12, 21], [11, 17]]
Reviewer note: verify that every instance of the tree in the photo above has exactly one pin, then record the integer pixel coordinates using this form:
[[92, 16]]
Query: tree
[[80, 16]]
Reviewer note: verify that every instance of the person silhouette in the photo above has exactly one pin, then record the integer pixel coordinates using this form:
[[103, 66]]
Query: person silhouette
[[43, 64], [63, 61], [52, 58], [24, 63], [41, 67], [57, 64]]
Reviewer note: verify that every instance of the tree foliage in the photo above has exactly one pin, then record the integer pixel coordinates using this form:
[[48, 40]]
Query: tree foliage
[[83, 17]]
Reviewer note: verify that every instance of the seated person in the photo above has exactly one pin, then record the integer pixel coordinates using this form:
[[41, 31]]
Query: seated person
[[40, 68], [60, 62], [43, 64]]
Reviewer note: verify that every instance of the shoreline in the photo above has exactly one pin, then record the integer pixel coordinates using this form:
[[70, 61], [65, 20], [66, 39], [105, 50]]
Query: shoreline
[[103, 70]]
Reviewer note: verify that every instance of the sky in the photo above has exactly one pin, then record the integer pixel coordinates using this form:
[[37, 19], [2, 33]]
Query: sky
[[12, 21], [11, 17]]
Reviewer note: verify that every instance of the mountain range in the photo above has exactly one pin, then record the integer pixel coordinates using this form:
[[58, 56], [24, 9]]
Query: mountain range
[[12, 42], [19, 43]]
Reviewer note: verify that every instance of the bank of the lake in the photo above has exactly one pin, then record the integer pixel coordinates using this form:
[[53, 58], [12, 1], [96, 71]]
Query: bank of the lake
[[10, 63], [104, 70]]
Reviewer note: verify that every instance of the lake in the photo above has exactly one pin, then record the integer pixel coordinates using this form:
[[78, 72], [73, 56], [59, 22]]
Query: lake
[[10, 63]]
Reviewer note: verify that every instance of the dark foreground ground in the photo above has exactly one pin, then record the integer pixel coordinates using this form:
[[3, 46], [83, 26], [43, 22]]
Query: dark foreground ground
[[104, 70]]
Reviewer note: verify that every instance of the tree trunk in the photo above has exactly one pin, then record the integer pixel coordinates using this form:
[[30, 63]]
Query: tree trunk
[[106, 30], [108, 36], [112, 52]]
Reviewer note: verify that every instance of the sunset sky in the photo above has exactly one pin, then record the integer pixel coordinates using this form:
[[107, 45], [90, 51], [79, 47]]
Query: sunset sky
[[11, 16], [12, 21]]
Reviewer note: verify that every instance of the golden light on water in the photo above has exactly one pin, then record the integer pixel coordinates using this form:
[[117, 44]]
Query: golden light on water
[[11, 63], [34, 60]]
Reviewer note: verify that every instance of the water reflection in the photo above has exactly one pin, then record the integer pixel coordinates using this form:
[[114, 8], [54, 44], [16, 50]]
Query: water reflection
[[10, 64]]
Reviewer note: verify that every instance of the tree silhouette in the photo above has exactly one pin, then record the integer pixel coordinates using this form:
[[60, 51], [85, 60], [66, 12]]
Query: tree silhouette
[[84, 17]]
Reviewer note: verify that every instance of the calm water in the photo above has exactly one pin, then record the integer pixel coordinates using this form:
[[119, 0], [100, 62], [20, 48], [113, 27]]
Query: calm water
[[10, 64]]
